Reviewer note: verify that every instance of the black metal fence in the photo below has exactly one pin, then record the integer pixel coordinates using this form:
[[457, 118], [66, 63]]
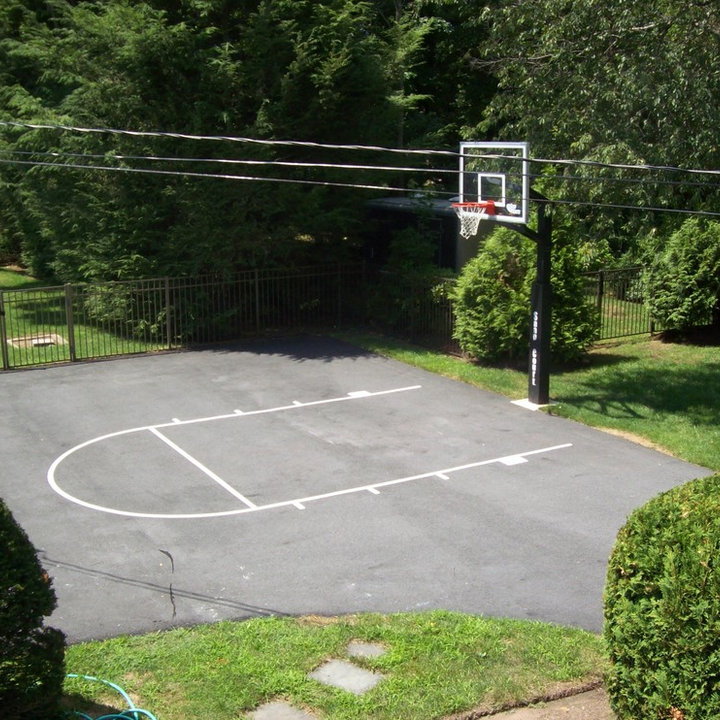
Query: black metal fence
[[84, 321], [423, 313], [619, 296], [416, 309]]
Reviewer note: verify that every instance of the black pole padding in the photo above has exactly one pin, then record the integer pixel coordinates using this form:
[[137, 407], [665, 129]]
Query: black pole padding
[[540, 315]]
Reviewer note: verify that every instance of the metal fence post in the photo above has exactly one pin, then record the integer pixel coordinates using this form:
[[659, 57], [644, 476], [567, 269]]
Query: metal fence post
[[168, 314], [3, 334], [256, 276], [600, 290], [70, 323]]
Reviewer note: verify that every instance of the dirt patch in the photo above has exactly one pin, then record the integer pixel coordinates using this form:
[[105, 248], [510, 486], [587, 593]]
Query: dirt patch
[[636, 439], [33, 341], [318, 620]]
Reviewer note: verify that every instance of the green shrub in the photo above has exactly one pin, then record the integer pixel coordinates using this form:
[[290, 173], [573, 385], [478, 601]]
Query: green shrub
[[492, 301], [662, 607], [683, 280], [32, 656], [408, 281]]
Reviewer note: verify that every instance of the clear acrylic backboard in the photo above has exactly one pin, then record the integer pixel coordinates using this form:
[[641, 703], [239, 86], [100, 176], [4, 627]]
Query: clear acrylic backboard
[[497, 172]]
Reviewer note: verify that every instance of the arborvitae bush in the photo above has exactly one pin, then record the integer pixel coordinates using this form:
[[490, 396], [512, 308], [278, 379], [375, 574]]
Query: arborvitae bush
[[491, 300], [683, 278], [662, 608], [32, 657]]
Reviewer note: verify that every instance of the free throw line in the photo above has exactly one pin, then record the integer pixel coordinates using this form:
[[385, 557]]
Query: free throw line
[[203, 468]]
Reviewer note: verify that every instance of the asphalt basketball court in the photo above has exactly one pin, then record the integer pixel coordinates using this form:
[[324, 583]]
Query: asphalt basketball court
[[303, 476]]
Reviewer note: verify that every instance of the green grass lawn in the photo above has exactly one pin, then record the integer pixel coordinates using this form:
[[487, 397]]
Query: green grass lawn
[[15, 279], [663, 393], [436, 663]]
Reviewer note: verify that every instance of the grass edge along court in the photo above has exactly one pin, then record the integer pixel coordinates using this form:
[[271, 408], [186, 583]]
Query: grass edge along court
[[436, 663]]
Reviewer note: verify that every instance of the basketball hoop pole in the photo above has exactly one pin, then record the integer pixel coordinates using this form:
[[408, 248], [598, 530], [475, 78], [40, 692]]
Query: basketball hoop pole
[[540, 309], [490, 170]]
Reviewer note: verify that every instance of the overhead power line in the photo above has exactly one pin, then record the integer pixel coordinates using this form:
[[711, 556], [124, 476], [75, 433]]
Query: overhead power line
[[623, 166], [349, 166], [228, 138], [373, 148], [231, 161], [208, 175], [636, 208], [355, 186]]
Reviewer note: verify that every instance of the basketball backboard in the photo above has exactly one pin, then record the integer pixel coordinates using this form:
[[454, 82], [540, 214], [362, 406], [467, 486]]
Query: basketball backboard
[[497, 172]]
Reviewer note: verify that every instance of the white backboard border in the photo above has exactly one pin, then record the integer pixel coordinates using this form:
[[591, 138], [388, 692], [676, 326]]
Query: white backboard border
[[514, 184]]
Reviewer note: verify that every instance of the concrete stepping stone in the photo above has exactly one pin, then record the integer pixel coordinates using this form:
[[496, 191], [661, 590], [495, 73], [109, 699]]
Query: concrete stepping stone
[[346, 676], [280, 711], [360, 649]]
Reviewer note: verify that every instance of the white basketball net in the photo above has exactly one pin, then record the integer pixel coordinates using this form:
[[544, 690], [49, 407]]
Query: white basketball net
[[470, 216]]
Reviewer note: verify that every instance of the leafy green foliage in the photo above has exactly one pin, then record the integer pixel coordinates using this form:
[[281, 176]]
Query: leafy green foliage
[[337, 71], [610, 81], [662, 607], [32, 660], [683, 280], [492, 298], [409, 279]]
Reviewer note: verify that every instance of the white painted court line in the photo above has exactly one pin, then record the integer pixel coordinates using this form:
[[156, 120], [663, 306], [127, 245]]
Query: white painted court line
[[513, 460], [203, 468], [355, 395], [444, 473], [301, 503], [527, 405], [298, 503], [52, 480]]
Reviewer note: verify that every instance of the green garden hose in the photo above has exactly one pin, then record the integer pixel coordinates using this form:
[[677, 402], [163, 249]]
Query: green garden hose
[[132, 713]]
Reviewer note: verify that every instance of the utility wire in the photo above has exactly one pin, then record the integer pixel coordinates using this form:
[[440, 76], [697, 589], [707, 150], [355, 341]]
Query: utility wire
[[299, 143], [385, 188], [622, 166], [230, 161], [374, 148], [217, 176], [636, 208], [345, 166], [626, 180], [228, 138]]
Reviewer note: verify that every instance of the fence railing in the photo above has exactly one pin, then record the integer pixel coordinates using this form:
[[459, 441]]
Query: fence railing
[[424, 313], [87, 321], [84, 321], [417, 310], [619, 297]]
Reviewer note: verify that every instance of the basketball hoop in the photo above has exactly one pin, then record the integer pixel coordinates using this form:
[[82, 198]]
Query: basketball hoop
[[471, 213]]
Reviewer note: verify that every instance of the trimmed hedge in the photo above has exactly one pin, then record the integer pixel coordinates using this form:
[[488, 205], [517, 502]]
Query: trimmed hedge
[[32, 657], [662, 607]]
